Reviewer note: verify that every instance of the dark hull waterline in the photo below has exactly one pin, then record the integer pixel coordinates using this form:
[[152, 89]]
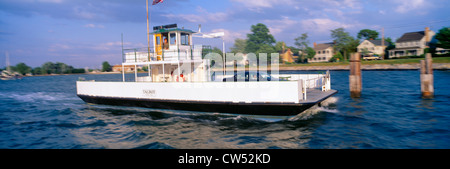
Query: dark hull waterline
[[266, 109]]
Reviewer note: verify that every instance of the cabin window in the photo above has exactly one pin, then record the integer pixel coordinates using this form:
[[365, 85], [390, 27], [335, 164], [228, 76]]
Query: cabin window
[[158, 40], [184, 39], [173, 38]]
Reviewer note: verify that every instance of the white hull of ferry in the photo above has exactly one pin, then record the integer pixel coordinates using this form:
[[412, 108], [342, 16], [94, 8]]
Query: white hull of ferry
[[255, 98]]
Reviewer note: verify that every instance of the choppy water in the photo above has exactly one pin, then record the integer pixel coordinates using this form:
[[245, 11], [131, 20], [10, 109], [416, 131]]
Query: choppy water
[[44, 112]]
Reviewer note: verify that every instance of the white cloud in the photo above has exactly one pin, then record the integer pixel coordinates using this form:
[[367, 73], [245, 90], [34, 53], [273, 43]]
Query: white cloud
[[409, 5], [83, 13], [230, 36], [258, 5], [93, 26], [109, 45], [58, 47], [354, 4], [202, 16], [279, 26], [51, 1], [323, 25]]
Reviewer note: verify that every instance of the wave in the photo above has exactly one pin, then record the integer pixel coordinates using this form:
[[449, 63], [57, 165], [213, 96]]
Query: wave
[[328, 105], [37, 96], [236, 120]]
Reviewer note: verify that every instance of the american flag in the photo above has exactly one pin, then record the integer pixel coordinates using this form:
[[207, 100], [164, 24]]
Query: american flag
[[157, 1]]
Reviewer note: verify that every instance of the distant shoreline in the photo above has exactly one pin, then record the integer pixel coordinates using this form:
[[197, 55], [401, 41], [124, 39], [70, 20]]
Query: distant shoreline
[[96, 73], [414, 66], [382, 67]]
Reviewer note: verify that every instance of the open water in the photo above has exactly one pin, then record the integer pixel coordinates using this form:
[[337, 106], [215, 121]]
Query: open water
[[44, 112]]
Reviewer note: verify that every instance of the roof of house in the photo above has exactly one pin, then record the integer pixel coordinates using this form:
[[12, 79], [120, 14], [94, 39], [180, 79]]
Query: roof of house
[[411, 36], [378, 42], [323, 46]]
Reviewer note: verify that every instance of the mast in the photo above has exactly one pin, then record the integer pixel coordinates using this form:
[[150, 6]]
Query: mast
[[8, 68], [148, 34]]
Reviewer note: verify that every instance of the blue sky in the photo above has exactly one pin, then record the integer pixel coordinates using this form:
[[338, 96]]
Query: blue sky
[[84, 33]]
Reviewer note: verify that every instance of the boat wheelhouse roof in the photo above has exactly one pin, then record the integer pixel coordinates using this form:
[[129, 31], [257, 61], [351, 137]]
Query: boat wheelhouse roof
[[172, 30]]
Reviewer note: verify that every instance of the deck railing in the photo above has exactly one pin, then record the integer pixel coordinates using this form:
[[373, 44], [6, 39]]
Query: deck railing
[[309, 81], [183, 52]]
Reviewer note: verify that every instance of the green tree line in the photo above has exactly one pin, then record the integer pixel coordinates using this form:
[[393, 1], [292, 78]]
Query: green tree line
[[261, 41], [46, 68]]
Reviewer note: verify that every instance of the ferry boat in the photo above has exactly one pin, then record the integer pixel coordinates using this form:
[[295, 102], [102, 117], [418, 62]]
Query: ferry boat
[[186, 76]]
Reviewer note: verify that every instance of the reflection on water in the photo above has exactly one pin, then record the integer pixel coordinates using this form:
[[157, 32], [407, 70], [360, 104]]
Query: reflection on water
[[120, 127]]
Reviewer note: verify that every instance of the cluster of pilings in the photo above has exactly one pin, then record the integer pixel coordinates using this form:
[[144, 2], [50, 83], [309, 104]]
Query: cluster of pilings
[[426, 76]]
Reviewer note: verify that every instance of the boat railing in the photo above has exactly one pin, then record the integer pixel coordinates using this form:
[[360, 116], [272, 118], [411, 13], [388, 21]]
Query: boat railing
[[183, 52], [309, 81]]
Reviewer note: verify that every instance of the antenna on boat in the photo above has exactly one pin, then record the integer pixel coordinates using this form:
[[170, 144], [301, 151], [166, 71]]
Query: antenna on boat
[[199, 28], [8, 68], [121, 38], [148, 34]]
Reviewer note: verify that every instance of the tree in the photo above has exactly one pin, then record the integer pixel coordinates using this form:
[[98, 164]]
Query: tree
[[239, 46], [217, 50], [62, 68], [390, 45], [368, 34], [310, 52], [337, 57], [280, 47], [22, 68], [365, 52], [106, 67], [37, 71], [443, 37], [48, 68], [344, 42], [302, 43], [259, 40]]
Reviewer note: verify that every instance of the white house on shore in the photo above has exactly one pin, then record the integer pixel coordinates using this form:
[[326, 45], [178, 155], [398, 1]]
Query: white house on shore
[[372, 47], [412, 43], [324, 52]]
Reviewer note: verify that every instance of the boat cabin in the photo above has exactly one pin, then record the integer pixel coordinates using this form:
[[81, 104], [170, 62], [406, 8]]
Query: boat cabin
[[172, 58], [170, 38]]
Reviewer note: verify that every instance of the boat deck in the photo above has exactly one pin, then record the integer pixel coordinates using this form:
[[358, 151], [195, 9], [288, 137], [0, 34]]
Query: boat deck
[[316, 96]]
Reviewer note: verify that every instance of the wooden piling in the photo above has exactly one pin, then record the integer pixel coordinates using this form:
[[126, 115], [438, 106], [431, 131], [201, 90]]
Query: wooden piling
[[426, 77], [355, 80]]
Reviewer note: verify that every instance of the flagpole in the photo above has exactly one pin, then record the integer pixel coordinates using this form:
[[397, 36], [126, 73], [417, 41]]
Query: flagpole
[[148, 35]]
